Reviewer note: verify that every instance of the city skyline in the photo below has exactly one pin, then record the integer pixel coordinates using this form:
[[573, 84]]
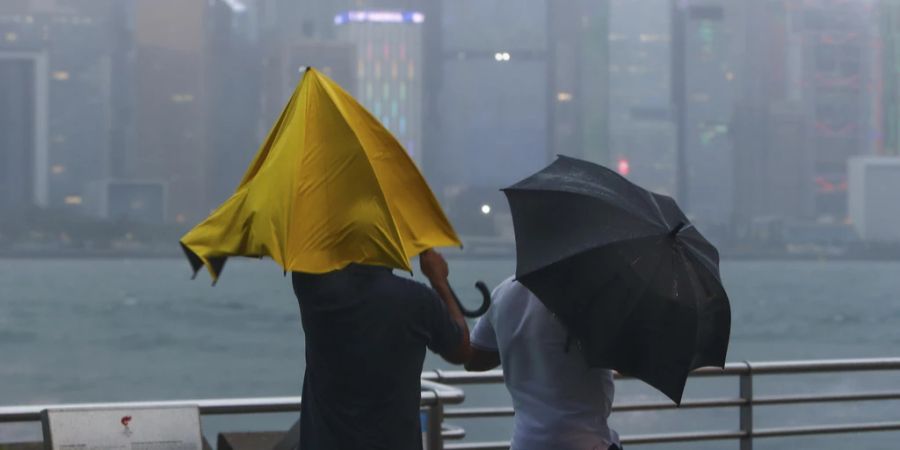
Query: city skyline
[[154, 104]]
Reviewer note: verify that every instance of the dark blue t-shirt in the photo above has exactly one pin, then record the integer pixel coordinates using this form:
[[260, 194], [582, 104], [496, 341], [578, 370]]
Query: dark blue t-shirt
[[366, 333]]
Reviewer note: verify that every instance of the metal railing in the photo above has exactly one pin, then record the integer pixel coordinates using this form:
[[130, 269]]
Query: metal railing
[[434, 397], [744, 401], [439, 389]]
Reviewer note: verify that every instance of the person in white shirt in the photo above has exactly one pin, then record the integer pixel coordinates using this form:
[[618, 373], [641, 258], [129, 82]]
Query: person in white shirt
[[560, 402]]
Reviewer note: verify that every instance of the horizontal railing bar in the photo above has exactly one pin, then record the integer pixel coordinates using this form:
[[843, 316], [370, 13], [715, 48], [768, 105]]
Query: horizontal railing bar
[[432, 391], [475, 413], [626, 440], [831, 398], [696, 436], [453, 432], [499, 445], [662, 438], [869, 427], [507, 411], [686, 404], [832, 365], [31, 413], [455, 377]]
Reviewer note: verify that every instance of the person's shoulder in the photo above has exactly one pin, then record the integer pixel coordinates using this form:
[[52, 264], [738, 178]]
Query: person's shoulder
[[407, 286], [509, 289]]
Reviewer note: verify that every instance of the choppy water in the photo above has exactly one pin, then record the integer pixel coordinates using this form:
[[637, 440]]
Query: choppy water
[[117, 330]]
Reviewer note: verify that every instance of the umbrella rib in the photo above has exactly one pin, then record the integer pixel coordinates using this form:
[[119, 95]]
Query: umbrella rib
[[618, 205], [393, 222], [631, 187], [581, 252], [287, 265], [658, 209]]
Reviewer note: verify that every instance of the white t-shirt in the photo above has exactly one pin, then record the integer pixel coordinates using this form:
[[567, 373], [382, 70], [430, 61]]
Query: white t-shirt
[[560, 403]]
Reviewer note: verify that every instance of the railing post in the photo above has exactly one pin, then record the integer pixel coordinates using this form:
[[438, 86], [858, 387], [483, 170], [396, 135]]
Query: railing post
[[435, 425], [746, 413]]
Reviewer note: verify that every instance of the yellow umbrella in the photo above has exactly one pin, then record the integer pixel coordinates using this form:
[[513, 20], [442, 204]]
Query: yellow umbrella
[[329, 187]]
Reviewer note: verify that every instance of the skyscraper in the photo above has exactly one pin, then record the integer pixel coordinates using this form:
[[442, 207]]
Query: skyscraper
[[703, 74], [18, 132], [514, 90], [171, 103], [233, 83], [642, 133], [508, 91], [74, 93], [832, 42], [389, 68], [772, 164], [889, 31], [578, 79]]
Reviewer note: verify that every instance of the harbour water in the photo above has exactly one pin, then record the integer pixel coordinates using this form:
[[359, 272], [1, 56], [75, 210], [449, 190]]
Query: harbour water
[[85, 330]]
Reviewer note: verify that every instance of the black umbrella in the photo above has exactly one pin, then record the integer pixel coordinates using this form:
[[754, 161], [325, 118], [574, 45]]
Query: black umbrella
[[634, 282]]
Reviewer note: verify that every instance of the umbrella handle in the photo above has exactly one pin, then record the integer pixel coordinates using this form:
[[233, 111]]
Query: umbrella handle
[[485, 301]]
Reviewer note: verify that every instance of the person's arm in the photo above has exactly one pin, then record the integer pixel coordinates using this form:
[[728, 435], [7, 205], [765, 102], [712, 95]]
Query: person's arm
[[483, 360], [485, 347], [435, 269]]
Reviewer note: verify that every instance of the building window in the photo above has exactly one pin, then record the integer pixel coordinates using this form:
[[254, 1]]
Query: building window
[[182, 98], [73, 200]]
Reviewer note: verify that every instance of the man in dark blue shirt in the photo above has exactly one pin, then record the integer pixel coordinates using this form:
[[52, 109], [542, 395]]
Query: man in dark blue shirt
[[366, 333]]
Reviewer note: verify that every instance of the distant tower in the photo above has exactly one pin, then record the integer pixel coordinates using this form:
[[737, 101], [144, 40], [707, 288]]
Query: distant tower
[[63, 96], [641, 129], [171, 103], [703, 91], [772, 166], [389, 68], [578, 80], [233, 83], [832, 45], [889, 30], [19, 132]]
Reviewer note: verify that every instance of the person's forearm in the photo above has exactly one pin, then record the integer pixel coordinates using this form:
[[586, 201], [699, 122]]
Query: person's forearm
[[464, 351], [442, 287]]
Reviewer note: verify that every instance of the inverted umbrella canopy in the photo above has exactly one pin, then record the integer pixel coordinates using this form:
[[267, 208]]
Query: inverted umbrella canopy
[[637, 286], [329, 187]]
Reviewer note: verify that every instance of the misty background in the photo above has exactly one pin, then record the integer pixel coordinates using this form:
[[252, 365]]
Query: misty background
[[124, 122], [774, 123]]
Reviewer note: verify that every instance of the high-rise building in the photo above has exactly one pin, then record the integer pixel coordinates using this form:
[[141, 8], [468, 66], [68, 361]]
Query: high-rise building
[[874, 183], [284, 65], [771, 139], [833, 77], [171, 103], [889, 30], [233, 84], [810, 99], [704, 61], [70, 51], [505, 93], [578, 79], [389, 68], [514, 90], [642, 135], [20, 115]]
